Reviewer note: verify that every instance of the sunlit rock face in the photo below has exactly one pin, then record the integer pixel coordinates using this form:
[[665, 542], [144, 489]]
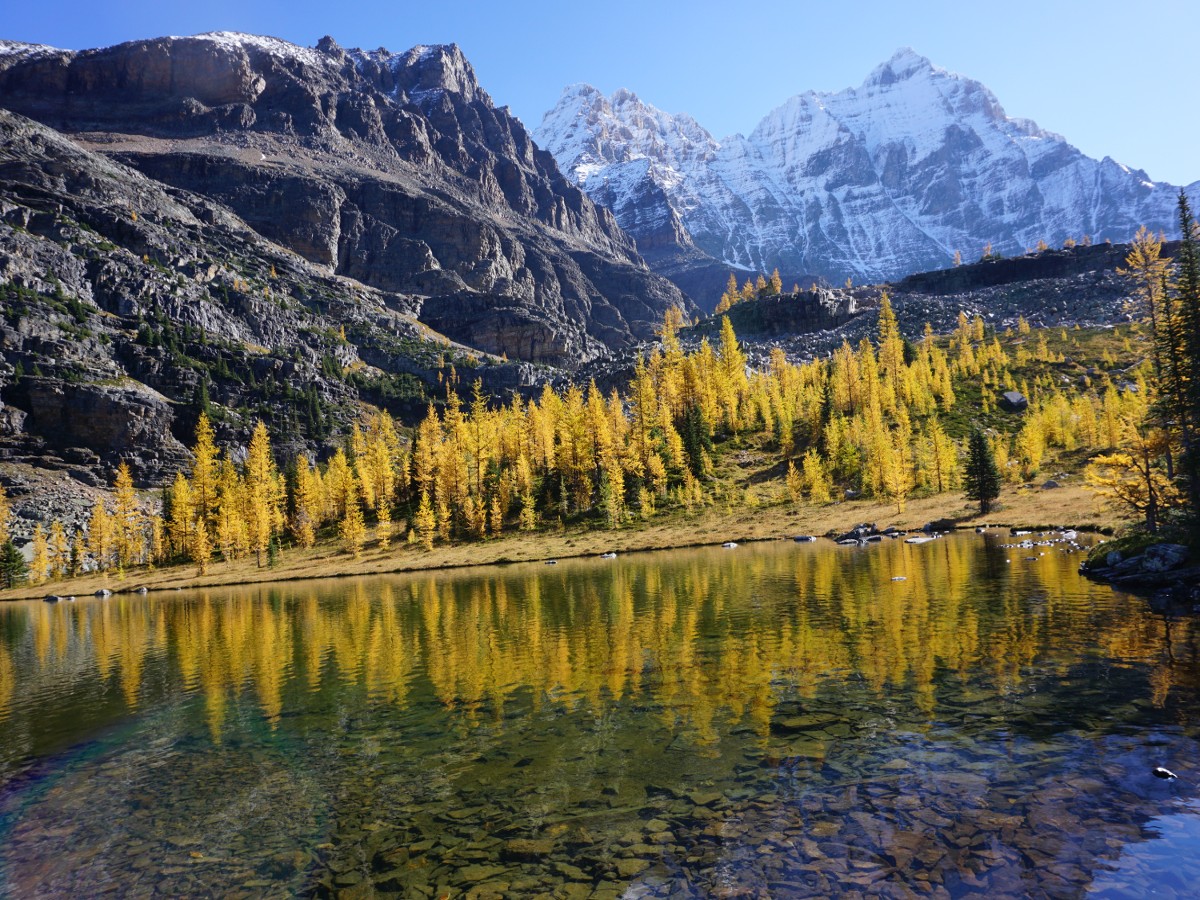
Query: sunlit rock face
[[394, 169]]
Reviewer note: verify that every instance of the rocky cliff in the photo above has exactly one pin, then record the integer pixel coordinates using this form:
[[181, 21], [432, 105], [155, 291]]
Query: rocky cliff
[[873, 182], [396, 170]]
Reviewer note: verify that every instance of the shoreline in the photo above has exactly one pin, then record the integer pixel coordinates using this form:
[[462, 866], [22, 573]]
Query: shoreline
[[677, 530]]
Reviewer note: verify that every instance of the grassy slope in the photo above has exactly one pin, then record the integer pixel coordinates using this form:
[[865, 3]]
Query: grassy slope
[[1070, 505]]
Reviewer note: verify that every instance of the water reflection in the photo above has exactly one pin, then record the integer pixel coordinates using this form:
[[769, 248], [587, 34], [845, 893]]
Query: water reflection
[[661, 719]]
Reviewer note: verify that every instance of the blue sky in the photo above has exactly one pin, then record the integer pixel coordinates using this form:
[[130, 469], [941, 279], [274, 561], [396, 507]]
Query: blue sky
[[1106, 76]]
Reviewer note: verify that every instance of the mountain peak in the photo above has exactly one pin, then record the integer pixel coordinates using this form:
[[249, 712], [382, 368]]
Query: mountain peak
[[578, 96], [903, 64], [441, 67]]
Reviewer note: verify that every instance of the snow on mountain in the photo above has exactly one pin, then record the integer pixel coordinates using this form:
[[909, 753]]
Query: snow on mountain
[[875, 182], [237, 40]]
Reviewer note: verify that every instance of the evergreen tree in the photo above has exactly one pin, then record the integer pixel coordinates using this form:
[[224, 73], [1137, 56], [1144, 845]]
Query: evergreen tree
[[78, 553], [1187, 339], [982, 477], [12, 565]]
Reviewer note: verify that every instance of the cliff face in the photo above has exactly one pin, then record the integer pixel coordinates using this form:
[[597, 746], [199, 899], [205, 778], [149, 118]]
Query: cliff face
[[395, 170]]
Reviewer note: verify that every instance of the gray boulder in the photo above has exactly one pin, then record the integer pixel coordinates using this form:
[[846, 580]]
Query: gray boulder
[[1164, 557], [1014, 401]]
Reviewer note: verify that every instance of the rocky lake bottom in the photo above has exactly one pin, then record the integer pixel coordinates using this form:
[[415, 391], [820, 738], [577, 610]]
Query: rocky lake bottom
[[776, 720]]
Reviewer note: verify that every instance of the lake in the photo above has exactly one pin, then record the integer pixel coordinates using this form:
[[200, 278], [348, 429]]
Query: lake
[[958, 718]]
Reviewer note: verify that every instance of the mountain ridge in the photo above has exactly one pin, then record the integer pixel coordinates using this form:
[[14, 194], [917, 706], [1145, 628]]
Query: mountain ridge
[[395, 169], [872, 182]]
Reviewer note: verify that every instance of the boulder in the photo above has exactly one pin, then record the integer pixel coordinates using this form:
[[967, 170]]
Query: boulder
[[1164, 557], [1014, 401], [858, 533]]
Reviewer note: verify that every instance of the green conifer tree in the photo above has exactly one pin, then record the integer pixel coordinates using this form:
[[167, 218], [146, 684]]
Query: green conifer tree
[[982, 476]]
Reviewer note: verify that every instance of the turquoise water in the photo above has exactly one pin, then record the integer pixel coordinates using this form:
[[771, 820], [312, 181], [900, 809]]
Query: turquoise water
[[772, 721]]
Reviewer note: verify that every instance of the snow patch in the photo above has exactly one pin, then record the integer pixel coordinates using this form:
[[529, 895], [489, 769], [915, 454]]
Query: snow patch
[[23, 51], [236, 40]]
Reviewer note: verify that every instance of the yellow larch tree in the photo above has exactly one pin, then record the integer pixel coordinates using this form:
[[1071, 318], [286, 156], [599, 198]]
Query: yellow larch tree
[[306, 504], [232, 516], [383, 524], [127, 520], [264, 512], [200, 548], [795, 483], [1134, 481], [60, 550], [775, 285], [816, 477], [353, 528], [204, 470], [5, 513], [39, 564], [425, 522], [100, 535], [183, 515]]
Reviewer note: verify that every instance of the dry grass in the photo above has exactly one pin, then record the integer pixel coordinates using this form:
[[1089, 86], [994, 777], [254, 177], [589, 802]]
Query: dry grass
[[1071, 505]]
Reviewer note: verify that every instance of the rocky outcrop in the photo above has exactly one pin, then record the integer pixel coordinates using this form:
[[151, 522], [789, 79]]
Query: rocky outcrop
[[1165, 568], [127, 420], [1059, 265], [395, 170], [819, 309]]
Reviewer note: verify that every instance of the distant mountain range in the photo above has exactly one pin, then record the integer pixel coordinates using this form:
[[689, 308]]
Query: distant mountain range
[[873, 182]]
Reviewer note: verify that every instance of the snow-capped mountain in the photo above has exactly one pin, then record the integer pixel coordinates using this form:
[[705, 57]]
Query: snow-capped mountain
[[874, 182]]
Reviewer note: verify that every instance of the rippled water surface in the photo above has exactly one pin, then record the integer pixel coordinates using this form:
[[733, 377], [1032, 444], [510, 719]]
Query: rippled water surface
[[772, 721]]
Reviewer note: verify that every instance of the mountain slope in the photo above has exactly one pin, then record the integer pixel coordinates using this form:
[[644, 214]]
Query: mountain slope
[[128, 306], [873, 182], [394, 169]]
